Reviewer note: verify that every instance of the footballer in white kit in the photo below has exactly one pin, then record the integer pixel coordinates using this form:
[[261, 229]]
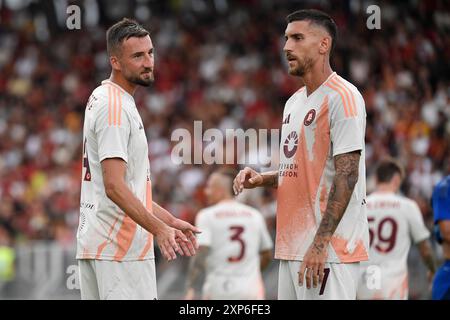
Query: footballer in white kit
[[322, 233], [113, 129], [395, 222], [114, 252], [234, 245], [315, 129]]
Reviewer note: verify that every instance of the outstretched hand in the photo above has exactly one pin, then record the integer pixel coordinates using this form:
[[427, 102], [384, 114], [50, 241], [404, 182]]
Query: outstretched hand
[[246, 178], [185, 236]]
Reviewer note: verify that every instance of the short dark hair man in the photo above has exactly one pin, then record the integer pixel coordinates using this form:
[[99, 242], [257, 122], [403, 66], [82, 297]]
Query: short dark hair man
[[118, 218]]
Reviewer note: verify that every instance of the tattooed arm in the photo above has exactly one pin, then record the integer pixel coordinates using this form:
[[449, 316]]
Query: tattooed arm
[[196, 271], [347, 168]]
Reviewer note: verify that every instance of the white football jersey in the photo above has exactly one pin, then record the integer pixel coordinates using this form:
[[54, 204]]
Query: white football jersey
[[329, 122], [113, 129], [394, 222], [235, 234]]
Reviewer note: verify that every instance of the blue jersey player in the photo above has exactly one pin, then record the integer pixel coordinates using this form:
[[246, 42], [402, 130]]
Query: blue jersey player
[[441, 208]]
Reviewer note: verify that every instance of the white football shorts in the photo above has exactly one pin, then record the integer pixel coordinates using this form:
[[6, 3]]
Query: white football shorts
[[113, 280]]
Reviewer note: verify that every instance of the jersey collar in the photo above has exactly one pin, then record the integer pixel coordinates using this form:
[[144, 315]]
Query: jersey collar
[[107, 81]]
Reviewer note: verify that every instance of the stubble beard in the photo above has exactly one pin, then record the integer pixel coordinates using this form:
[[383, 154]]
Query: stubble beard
[[303, 66]]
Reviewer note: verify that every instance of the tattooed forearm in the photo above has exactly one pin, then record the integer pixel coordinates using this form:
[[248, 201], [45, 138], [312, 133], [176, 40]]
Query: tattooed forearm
[[197, 267], [347, 167]]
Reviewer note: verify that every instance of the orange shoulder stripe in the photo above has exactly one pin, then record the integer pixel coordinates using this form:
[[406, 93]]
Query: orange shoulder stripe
[[109, 106], [119, 97], [115, 105], [344, 101], [330, 78], [351, 94], [347, 97]]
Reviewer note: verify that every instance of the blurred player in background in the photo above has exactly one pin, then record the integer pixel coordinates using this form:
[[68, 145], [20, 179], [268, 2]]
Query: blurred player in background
[[322, 232], [235, 245], [117, 216], [441, 208], [394, 221]]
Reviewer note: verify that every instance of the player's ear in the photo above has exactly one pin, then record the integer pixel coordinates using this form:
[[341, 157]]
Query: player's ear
[[114, 63], [325, 45]]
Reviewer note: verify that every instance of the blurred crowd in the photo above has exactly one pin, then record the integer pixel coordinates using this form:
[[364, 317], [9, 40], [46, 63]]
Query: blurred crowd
[[222, 63]]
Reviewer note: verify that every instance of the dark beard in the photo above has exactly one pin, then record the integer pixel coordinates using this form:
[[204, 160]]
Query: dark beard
[[141, 82]]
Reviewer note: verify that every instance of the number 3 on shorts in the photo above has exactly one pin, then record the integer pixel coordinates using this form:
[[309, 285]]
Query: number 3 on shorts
[[326, 272]]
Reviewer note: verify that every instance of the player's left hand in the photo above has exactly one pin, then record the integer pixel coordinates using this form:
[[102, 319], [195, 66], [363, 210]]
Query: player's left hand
[[314, 264], [186, 236]]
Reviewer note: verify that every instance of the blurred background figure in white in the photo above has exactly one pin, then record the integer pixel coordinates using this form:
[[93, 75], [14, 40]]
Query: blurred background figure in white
[[394, 223], [235, 246]]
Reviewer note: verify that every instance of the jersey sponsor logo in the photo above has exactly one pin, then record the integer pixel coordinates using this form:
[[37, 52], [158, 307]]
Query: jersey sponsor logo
[[288, 170], [309, 118], [290, 144]]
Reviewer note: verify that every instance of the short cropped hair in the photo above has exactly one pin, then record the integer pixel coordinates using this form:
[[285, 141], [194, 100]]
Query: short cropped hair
[[228, 173], [123, 30], [387, 169], [316, 17]]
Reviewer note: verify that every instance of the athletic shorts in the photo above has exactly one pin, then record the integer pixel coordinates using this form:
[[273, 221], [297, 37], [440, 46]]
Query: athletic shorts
[[113, 280], [221, 287], [339, 283], [377, 283], [441, 283]]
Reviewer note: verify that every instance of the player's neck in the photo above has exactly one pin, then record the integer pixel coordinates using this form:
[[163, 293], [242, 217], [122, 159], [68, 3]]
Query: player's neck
[[318, 74], [123, 83], [385, 188], [227, 199]]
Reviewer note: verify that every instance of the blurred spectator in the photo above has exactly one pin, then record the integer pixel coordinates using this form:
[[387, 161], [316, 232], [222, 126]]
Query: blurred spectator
[[219, 62], [7, 257]]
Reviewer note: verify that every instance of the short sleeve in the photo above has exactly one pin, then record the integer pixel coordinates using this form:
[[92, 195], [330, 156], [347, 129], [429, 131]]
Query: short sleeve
[[112, 129], [418, 230], [265, 239], [347, 123], [202, 222]]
